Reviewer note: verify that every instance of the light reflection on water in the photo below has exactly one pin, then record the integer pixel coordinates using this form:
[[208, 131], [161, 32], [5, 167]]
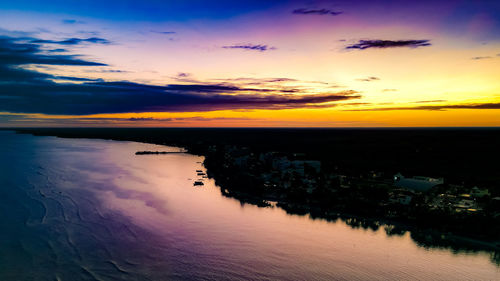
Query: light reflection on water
[[92, 210]]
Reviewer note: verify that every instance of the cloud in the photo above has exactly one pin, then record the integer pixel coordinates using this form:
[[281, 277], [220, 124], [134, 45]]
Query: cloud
[[58, 50], [183, 74], [259, 81], [438, 107], [368, 79], [321, 12], [253, 47], [356, 103], [105, 71], [429, 101], [481, 58], [276, 84], [148, 119], [13, 52], [366, 44], [15, 33], [164, 32], [34, 120], [183, 119], [89, 33], [207, 88], [185, 77], [25, 90], [72, 21], [72, 41], [79, 79]]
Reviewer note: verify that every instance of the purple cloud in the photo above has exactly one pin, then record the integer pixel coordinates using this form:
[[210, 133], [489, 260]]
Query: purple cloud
[[25, 90], [253, 47], [383, 44], [321, 12]]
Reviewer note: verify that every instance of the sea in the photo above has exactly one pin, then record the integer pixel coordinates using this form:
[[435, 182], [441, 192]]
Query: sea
[[87, 209]]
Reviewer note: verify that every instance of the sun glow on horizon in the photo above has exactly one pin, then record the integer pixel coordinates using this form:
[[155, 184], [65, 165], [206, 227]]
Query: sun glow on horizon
[[258, 67]]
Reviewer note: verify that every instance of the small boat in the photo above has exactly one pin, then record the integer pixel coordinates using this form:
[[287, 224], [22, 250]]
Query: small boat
[[199, 171], [198, 183]]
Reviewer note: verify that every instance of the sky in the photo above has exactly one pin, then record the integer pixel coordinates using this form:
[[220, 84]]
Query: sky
[[192, 63]]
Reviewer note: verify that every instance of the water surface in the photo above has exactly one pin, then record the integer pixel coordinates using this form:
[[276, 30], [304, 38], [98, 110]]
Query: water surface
[[77, 209]]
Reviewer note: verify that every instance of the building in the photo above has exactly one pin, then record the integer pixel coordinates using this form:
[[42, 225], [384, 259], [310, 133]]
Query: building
[[300, 166], [242, 161], [401, 196], [479, 193], [281, 163], [418, 183]]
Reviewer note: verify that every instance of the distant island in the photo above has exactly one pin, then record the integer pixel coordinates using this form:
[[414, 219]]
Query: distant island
[[442, 184]]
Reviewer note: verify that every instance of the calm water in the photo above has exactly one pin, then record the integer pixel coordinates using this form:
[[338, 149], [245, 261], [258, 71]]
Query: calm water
[[73, 209]]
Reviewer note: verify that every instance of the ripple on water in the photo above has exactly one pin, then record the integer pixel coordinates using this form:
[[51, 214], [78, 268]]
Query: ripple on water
[[58, 224]]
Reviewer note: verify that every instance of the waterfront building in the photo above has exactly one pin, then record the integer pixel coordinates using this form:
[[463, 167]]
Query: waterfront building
[[417, 183]]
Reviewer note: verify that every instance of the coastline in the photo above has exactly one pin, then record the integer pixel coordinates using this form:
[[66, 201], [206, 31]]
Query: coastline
[[367, 222], [422, 236]]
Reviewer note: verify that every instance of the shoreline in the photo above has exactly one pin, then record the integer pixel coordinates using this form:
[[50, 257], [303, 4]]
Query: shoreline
[[335, 215], [307, 209]]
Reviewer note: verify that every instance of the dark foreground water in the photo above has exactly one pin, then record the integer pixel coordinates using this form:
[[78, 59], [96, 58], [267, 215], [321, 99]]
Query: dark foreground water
[[73, 209]]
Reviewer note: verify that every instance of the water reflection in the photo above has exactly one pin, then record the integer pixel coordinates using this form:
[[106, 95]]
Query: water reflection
[[422, 238], [94, 209]]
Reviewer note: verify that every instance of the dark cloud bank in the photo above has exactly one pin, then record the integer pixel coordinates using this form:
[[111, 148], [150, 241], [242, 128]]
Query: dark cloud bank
[[29, 91]]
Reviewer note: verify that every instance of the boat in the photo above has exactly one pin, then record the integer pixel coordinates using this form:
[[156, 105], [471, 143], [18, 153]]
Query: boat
[[198, 183]]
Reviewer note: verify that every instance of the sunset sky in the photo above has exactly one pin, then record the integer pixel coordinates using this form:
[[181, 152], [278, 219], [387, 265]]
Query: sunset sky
[[189, 63]]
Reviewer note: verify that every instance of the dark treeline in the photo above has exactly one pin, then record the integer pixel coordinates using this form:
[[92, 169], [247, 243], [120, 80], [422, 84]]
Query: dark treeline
[[460, 155]]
